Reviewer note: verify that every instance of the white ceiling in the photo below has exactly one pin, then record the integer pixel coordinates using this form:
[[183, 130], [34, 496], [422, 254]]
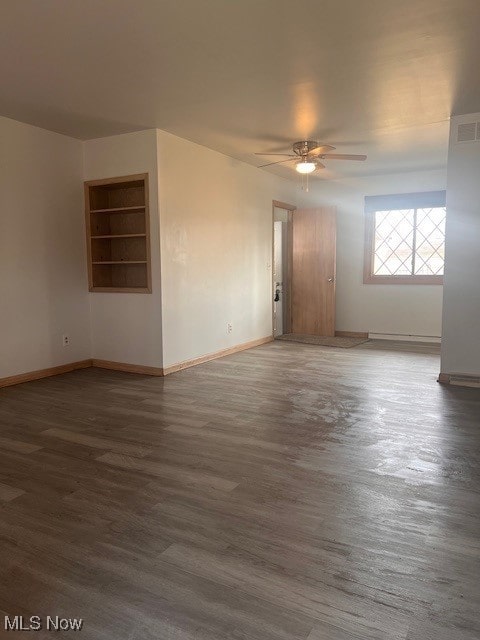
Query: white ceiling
[[369, 76]]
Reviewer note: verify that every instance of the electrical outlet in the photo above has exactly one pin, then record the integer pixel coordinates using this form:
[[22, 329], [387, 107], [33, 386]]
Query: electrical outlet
[[229, 327], [66, 341]]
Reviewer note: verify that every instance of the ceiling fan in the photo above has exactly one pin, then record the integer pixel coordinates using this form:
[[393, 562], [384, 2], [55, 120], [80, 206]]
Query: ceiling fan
[[307, 155]]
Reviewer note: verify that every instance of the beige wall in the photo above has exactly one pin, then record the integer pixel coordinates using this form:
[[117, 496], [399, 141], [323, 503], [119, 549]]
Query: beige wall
[[127, 327], [43, 282], [461, 313], [388, 309], [216, 246]]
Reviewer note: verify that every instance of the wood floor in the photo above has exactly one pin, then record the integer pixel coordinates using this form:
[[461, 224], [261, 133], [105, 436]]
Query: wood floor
[[289, 492]]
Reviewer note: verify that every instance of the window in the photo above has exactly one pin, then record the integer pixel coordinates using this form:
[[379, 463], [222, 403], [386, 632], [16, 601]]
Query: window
[[405, 238]]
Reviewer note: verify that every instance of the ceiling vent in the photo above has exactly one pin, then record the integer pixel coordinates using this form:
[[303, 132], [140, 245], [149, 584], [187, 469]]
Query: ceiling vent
[[468, 132]]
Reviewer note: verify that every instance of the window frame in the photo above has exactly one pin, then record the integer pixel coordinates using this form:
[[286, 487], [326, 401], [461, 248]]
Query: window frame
[[373, 204]]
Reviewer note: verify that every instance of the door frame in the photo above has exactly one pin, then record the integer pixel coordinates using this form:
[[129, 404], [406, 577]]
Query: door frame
[[287, 311]]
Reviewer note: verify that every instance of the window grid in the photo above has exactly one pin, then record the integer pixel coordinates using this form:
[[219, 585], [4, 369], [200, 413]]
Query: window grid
[[414, 251], [409, 242]]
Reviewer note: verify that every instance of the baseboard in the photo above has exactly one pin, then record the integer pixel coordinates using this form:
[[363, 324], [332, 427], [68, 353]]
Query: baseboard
[[404, 338], [128, 368], [218, 354], [351, 334], [44, 373], [460, 379]]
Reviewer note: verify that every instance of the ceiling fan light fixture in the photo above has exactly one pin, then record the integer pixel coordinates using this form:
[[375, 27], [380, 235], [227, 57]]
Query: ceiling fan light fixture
[[305, 166]]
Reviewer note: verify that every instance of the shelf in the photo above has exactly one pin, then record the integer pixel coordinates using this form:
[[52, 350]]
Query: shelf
[[120, 235], [121, 289], [121, 262], [140, 208]]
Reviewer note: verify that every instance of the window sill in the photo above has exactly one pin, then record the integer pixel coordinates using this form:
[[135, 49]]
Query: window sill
[[370, 279]]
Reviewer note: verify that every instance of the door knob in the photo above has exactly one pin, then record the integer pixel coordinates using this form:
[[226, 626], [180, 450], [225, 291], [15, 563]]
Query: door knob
[[331, 279]]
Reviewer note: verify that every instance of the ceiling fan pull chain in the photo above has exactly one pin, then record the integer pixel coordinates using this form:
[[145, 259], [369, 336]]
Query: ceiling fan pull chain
[[304, 179]]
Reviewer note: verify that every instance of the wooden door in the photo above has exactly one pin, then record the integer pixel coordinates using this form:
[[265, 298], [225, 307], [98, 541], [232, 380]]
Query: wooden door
[[313, 278]]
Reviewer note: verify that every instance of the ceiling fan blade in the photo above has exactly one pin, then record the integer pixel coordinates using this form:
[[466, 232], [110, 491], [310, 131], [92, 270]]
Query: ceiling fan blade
[[324, 148], [290, 155], [319, 165], [270, 163], [343, 156]]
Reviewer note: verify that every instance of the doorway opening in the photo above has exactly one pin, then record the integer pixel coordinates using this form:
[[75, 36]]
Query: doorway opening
[[282, 267]]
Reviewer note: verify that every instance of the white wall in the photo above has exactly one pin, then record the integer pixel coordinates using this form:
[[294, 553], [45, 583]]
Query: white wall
[[388, 309], [216, 247], [461, 314], [43, 279], [211, 222], [127, 327], [215, 217]]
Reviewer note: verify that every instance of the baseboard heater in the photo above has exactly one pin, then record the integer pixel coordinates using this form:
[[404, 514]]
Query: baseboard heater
[[404, 337]]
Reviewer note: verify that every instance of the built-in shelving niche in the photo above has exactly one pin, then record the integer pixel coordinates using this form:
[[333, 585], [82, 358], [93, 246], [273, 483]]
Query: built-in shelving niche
[[118, 234]]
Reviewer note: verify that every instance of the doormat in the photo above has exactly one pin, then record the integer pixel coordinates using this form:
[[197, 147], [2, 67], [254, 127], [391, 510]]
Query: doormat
[[323, 341]]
